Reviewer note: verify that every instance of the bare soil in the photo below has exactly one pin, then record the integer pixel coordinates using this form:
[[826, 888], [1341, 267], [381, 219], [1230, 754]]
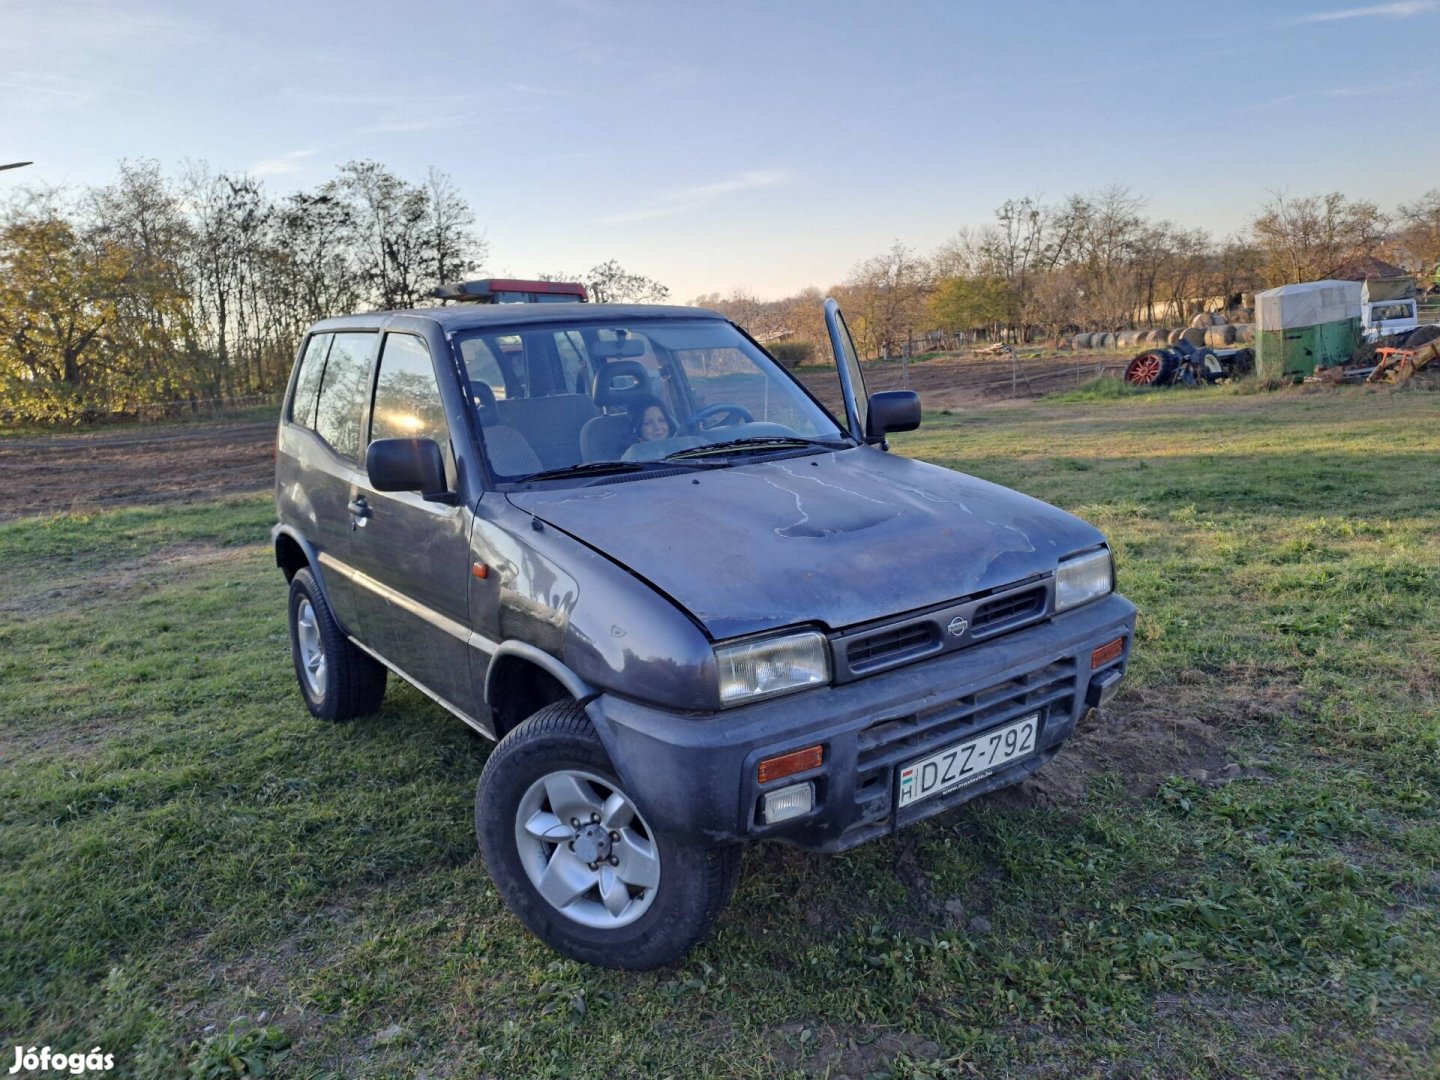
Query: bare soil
[[197, 462], [110, 469]]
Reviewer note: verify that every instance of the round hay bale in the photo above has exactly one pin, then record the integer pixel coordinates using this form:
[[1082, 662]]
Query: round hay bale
[[1175, 337], [1203, 319], [1160, 337], [1244, 331], [1080, 341], [1104, 341], [1125, 339], [1195, 335]]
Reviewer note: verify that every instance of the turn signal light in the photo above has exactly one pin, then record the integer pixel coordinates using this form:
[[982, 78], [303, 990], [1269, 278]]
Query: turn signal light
[[789, 764], [1107, 652]]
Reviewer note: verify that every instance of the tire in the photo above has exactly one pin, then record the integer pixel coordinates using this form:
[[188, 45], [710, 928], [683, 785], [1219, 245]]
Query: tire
[[677, 888], [346, 682], [1154, 368]]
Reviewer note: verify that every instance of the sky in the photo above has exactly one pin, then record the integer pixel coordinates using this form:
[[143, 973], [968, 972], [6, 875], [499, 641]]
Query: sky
[[767, 146]]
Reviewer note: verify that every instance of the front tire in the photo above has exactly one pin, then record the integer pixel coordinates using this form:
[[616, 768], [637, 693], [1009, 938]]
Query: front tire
[[337, 680], [573, 857]]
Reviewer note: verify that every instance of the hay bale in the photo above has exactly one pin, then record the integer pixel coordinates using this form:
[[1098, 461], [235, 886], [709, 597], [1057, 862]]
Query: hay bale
[[1175, 337], [1195, 335], [1244, 332], [1203, 319], [1160, 337], [1104, 341], [1080, 341]]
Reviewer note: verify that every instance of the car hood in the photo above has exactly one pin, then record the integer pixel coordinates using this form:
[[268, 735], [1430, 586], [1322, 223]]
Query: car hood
[[831, 538]]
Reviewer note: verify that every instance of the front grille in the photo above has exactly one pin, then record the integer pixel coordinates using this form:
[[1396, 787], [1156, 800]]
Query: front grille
[[1006, 608], [1049, 690], [907, 642]]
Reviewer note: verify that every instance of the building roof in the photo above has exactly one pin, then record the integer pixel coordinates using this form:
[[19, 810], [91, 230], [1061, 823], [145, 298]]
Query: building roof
[[1364, 268]]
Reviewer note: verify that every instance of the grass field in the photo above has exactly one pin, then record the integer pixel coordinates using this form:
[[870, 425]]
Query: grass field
[[197, 877]]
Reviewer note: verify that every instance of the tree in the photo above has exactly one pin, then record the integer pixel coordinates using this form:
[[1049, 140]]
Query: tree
[[1304, 239], [1419, 231], [611, 283], [884, 299], [962, 304]]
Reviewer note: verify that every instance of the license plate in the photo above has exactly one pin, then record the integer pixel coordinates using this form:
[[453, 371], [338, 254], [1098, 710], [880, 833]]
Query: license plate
[[966, 762]]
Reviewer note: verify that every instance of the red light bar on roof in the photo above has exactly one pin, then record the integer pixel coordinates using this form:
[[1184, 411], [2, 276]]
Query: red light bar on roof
[[510, 290]]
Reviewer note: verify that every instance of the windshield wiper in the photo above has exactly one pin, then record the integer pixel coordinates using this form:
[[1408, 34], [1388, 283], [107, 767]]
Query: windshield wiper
[[600, 468], [754, 442], [587, 468]]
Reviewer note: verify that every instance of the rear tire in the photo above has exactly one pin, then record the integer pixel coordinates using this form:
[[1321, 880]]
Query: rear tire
[[649, 906], [337, 680]]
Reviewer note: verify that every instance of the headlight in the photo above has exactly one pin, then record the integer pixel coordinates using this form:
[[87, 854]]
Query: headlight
[[757, 669], [1083, 578]]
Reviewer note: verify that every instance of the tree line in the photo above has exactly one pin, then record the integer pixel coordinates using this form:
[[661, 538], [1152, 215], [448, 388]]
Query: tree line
[[170, 291], [1090, 262]]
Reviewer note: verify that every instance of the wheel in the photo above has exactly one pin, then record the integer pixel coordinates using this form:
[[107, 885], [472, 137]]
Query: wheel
[[1151, 369], [579, 864], [338, 681], [721, 408]]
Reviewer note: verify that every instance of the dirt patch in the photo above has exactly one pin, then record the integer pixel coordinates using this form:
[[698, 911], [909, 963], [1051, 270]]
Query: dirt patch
[[113, 469], [1147, 735], [847, 1053], [963, 380]]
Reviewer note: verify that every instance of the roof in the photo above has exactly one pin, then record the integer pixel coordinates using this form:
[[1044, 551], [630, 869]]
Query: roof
[[1364, 268], [478, 316]]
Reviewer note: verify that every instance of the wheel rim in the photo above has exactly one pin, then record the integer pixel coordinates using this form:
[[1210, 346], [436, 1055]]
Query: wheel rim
[[1143, 370], [312, 648], [587, 850]]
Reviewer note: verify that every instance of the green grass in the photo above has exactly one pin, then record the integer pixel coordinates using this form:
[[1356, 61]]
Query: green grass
[[194, 874]]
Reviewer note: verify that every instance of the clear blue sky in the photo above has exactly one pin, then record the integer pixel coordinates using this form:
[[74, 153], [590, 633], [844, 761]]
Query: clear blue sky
[[757, 144]]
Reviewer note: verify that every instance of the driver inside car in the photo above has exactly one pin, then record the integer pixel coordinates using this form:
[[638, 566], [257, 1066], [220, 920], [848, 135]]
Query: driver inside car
[[649, 420]]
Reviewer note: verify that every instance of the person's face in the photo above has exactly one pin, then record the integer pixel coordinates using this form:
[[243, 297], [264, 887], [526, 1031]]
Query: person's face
[[653, 425]]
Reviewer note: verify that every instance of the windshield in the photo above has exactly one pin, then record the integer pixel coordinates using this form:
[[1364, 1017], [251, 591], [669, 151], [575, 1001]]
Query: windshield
[[560, 397]]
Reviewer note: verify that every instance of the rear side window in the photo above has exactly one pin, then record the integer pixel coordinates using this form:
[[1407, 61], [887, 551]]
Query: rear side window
[[342, 392], [307, 385]]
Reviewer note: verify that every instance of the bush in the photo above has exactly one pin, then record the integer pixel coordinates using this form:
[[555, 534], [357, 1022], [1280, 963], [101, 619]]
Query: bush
[[792, 354]]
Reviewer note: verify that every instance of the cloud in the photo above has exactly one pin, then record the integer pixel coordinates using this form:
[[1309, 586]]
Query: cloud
[[411, 125], [691, 198], [1400, 9], [1338, 92], [292, 162]]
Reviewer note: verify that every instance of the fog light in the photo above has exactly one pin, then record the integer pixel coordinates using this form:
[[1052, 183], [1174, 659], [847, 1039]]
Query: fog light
[[789, 802]]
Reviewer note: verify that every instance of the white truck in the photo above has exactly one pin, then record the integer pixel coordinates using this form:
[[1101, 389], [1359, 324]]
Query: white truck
[[1388, 306]]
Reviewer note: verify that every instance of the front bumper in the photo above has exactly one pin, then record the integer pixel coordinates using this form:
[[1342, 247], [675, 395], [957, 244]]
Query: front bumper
[[694, 776]]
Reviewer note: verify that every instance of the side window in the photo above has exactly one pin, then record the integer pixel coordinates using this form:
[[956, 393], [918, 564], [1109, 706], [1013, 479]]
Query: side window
[[342, 392], [407, 397], [307, 385]]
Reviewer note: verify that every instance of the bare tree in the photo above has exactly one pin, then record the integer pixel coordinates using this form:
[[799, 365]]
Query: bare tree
[[1304, 239]]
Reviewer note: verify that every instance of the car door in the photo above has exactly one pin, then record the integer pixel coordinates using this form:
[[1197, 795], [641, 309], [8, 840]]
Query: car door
[[412, 555], [328, 456], [852, 379]]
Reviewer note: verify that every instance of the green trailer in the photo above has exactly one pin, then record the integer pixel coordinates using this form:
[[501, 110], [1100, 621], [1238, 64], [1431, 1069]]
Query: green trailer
[[1300, 328]]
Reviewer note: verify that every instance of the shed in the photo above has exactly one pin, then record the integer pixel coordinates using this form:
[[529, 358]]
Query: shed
[[1299, 328]]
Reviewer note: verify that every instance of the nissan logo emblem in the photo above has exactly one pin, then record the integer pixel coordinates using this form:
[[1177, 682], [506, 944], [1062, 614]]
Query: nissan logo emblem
[[958, 626]]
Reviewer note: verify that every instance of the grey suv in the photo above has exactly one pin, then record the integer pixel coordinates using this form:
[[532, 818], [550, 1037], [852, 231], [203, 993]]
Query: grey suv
[[695, 607]]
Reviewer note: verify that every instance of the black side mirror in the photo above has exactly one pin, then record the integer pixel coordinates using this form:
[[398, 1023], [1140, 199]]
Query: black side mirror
[[892, 410], [407, 465]]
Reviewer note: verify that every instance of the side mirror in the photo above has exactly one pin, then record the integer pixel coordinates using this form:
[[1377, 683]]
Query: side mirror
[[407, 465], [892, 410]]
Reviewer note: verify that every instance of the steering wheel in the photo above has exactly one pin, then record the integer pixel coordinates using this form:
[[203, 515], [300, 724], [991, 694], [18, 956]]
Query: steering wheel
[[695, 423]]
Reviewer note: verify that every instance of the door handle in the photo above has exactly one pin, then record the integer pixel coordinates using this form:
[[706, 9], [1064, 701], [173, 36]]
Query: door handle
[[359, 511]]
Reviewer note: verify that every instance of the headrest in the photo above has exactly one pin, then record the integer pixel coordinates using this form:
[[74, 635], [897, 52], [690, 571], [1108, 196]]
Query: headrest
[[620, 380]]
